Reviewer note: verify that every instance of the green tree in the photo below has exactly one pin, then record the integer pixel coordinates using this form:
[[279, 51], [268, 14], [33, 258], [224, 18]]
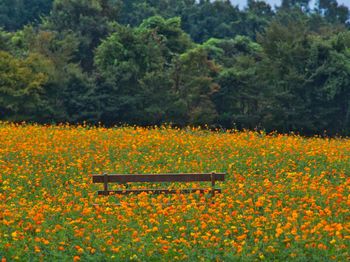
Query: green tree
[[307, 77], [14, 14], [289, 4], [207, 19], [20, 87], [5, 40], [255, 18], [239, 99], [168, 33], [333, 12], [126, 62], [66, 86], [146, 75], [135, 11], [89, 20], [330, 106], [194, 87]]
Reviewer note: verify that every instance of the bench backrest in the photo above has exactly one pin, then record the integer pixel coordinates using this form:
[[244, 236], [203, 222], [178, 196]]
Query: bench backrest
[[155, 178], [188, 177]]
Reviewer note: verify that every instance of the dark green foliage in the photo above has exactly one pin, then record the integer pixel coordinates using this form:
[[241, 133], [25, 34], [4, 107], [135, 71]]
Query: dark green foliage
[[193, 86], [333, 12], [211, 19], [307, 75], [129, 65], [289, 4], [21, 86], [240, 93], [133, 12], [256, 18], [88, 20], [183, 62], [14, 14], [172, 39], [142, 74]]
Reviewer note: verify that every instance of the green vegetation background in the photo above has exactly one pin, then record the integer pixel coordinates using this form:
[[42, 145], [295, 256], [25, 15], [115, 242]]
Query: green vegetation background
[[184, 62]]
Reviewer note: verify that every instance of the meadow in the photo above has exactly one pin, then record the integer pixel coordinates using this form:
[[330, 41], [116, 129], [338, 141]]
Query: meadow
[[285, 198]]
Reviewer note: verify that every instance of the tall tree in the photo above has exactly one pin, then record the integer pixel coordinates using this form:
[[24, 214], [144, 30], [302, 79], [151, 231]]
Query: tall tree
[[194, 87], [289, 4], [14, 14], [148, 71], [133, 12], [65, 94], [89, 20], [239, 99], [20, 87], [169, 34], [208, 19], [256, 17], [131, 72], [333, 12], [307, 75]]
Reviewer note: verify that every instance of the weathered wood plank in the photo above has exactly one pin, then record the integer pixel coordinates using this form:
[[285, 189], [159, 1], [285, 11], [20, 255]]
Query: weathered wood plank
[[158, 191], [188, 177]]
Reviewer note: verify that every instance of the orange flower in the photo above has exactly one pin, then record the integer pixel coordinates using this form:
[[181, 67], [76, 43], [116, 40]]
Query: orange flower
[[281, 191]]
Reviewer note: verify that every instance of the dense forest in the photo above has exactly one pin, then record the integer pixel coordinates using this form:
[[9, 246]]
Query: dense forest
[[183, 62]]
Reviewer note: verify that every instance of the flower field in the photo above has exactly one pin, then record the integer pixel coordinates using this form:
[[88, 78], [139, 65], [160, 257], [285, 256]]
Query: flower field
[[284, 198]]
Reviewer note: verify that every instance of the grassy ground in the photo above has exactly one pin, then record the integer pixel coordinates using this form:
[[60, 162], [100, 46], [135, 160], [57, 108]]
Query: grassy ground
[[285, 198]]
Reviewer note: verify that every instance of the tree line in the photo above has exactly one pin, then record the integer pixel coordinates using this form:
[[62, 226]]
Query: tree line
[[182, 62]]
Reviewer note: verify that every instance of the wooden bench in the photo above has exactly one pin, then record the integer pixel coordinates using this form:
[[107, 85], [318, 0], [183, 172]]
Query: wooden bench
[[156, 178]]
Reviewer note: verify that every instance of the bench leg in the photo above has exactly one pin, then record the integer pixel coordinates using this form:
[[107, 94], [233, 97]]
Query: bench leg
[[212, 176], [105, 184]]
